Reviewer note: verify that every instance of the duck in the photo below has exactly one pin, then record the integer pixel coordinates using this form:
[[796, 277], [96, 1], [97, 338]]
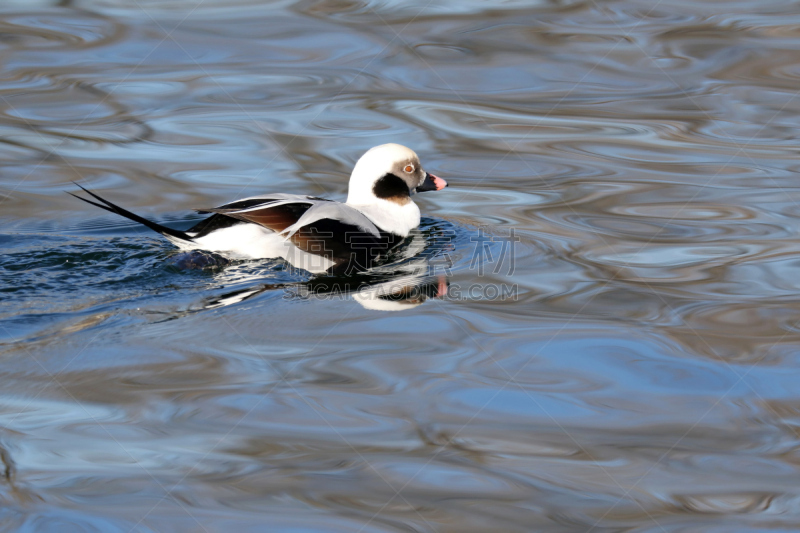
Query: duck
[[312, 233]]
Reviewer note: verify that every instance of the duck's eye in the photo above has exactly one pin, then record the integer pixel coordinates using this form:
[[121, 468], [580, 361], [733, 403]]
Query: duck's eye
[[409, 168]]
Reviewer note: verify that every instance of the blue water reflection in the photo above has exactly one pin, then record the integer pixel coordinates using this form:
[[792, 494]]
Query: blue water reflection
[[637, 372]]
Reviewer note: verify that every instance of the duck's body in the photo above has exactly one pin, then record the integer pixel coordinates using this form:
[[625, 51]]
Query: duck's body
[[313, 233]]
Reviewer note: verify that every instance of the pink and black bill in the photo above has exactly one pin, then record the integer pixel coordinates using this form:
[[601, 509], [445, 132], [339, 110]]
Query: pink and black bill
[[432, 183]]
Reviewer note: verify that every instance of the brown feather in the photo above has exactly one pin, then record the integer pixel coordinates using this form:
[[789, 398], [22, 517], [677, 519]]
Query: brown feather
[[276, 218]]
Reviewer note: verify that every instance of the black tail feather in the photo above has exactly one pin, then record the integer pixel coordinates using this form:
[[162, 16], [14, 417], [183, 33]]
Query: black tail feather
[[113, 208], [101, 206]]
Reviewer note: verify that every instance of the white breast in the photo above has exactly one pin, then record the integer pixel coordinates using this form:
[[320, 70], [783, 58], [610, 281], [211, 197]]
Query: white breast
[[392, 217]]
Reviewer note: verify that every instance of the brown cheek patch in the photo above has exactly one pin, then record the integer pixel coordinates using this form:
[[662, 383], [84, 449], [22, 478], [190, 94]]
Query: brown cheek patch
[[392, 188]]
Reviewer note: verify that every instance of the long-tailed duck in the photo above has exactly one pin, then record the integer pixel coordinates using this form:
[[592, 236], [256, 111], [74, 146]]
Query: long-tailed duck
[[313, 233]]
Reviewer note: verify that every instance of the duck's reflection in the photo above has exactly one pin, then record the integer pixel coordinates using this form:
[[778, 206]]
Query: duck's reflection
[[401, 294], [374, 293]]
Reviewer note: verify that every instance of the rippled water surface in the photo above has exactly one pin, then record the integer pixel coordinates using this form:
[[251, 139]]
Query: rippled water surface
[[618, 349]]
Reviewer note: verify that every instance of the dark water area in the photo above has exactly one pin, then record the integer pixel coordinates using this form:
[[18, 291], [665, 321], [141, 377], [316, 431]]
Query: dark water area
[[618, 347]]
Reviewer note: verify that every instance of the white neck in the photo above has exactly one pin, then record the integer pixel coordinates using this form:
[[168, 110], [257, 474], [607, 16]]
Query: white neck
[[389, 216]]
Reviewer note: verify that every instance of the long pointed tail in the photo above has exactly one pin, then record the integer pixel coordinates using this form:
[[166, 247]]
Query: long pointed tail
[[113, 208]]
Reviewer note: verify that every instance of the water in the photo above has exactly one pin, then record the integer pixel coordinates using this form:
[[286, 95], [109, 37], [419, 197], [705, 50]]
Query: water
[[623, 174]]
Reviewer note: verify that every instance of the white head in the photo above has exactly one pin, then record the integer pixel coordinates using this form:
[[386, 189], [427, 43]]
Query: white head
[[382, 183]]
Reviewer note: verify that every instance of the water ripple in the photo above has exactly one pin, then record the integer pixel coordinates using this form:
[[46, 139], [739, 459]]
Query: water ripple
[[625, 172]]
